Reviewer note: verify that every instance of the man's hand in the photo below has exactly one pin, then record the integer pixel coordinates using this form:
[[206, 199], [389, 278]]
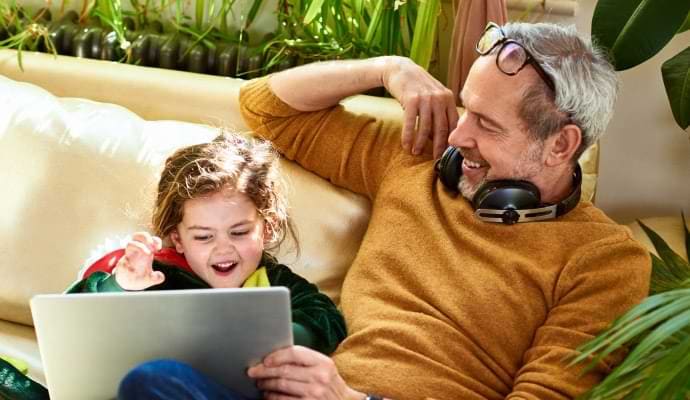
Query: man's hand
[[430, 111], [134, 271], [298, 372]]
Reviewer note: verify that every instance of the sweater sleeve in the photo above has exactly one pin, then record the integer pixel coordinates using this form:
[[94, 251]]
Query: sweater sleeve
[[175, 279], [317, 323], [98, 282], [351, 150], [601, 283]]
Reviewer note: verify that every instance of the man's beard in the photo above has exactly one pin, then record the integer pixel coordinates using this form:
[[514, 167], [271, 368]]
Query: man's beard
[[467, 190], [528, 166]]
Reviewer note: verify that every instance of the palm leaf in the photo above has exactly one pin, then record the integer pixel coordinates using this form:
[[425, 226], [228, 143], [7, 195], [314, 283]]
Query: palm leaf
[[669, 269], [662, 342], [658, 330]]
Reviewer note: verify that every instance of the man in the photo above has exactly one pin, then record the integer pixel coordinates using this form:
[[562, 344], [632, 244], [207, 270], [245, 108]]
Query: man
[[440, 303]]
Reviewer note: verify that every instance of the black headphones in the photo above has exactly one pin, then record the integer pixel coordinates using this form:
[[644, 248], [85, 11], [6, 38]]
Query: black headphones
[[507, 201]]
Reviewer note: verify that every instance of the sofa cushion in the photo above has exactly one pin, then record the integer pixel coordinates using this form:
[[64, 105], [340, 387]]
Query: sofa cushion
[[19, 342], [77, 172]]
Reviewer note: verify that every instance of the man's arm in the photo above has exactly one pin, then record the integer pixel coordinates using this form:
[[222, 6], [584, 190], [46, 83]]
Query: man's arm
[[429, 107], [603, 282]]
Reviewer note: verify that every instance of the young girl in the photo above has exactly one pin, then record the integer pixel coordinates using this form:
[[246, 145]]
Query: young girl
[[219, 206]]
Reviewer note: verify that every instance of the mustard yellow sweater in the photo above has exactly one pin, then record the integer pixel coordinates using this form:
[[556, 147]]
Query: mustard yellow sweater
[[439, 304]]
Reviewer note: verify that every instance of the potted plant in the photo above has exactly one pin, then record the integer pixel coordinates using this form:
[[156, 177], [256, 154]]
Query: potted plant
[[162, 34], [635, 30]]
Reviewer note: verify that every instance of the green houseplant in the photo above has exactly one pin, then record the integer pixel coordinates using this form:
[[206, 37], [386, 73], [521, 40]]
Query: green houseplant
[[207, 38], [635, 30], [657, 331]]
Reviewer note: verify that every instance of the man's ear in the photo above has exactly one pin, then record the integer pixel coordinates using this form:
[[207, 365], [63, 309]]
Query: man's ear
[[563, 145], [175, 237]]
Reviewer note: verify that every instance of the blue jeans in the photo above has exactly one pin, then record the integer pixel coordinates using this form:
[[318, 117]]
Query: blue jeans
[[170, 379]]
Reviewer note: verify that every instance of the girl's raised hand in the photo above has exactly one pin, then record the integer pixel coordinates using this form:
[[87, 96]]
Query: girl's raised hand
[[134, 271]]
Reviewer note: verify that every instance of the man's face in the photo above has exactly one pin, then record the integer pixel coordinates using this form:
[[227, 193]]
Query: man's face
[[490, 134]]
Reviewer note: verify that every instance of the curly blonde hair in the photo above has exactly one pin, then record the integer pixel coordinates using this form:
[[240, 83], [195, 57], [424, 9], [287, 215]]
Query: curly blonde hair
[[242, 163]]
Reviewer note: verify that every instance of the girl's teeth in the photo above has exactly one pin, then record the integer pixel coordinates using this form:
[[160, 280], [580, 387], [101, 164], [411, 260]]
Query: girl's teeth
[[223, 267]]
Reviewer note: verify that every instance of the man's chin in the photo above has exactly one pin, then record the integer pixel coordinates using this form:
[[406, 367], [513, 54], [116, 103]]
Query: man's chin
[[468, 190]]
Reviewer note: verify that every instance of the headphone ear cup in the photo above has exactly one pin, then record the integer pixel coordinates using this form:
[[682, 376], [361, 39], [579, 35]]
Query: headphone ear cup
[[448, 168], [507, 194]]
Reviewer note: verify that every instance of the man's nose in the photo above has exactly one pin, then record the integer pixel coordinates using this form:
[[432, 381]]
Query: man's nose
[[461, 136]]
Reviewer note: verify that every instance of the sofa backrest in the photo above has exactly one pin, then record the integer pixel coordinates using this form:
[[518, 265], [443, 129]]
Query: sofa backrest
[[79, 176]]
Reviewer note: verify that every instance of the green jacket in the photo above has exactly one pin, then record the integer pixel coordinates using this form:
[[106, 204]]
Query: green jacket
[[316, 322]]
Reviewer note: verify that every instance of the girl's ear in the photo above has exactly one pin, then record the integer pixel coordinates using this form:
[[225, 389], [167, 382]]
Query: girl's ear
[[175, 237]]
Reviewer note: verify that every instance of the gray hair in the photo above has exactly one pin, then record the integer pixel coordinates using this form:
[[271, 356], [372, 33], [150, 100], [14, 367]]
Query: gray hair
[[586, 82]]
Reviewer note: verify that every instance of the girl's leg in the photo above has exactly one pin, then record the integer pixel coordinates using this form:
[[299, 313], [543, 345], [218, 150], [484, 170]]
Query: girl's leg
[[170, 379]]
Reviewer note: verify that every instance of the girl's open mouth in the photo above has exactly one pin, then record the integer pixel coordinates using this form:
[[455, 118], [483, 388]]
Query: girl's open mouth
[[224, 267]]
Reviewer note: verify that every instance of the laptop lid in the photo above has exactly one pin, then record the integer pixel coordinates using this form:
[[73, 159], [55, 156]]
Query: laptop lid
[[88, 342]]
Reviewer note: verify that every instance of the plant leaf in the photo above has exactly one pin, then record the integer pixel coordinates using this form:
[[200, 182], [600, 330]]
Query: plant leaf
[[676, 74], [657, 366], [635, 30], [425, 32], [675, 267], [687, 236], [313, 11], [256, 5], [686, 25]]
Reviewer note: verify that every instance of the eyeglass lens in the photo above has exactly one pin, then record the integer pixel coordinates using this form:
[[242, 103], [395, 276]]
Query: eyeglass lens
[[489, 39], [511, 58]]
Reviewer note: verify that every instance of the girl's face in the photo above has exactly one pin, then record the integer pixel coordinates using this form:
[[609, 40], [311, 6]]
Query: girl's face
[[222, 237]]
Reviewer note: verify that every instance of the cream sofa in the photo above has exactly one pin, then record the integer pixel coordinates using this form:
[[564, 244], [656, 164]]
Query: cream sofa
[[81, 142]]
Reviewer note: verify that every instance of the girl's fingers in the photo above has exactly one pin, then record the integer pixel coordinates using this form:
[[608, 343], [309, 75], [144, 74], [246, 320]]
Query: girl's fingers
[[147, 239], [157, 243], [157, 277]]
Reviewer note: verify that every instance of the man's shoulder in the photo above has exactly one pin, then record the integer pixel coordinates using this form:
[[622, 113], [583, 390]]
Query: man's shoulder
[[587, 225], [596, 229], [588, 213]]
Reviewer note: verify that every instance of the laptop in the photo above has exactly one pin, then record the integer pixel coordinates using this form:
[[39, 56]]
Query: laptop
[[88, 342]]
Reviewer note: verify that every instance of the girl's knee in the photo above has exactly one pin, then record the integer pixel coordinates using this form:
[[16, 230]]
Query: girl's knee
[[151, 376]]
